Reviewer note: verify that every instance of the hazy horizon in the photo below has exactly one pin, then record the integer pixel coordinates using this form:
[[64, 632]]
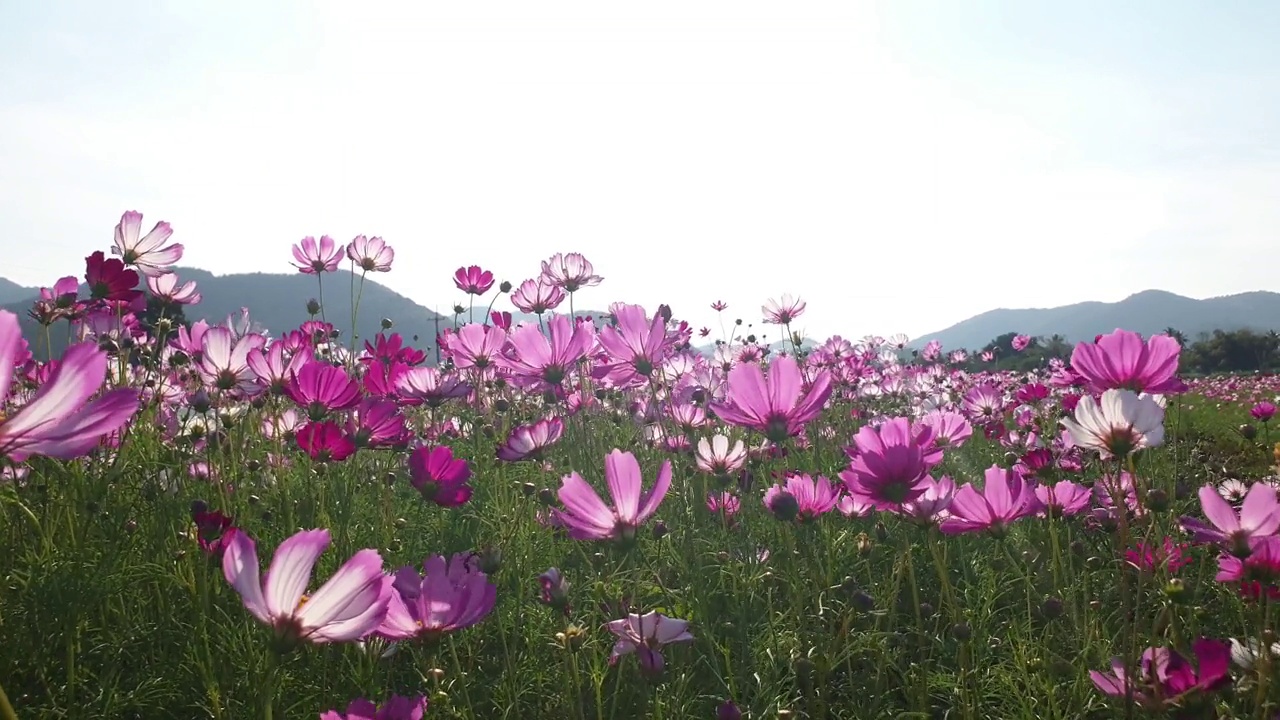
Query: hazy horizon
[[925, 162]]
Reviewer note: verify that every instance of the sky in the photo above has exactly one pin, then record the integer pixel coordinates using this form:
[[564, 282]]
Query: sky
[[900, 165]]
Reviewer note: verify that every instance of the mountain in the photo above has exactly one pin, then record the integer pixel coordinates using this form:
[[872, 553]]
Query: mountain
[[11, 292], [277, 302], [1148, 312]]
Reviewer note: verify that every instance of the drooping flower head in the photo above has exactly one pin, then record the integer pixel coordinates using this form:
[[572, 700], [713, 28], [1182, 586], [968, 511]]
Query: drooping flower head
[[805, 497]]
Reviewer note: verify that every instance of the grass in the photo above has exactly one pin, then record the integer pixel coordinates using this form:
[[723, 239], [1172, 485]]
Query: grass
[[109, 609]]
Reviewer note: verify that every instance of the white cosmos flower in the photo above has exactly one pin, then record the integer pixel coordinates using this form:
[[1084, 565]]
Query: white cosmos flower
[[1118, 425]]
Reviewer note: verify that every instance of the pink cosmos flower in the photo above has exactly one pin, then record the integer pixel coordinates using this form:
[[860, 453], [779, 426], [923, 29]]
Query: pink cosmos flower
[[636, 343], [724, 502], [931, 507], [59, 421], [271, 367], [376, 423], [554, 589], [1006, 496], [1259, 573], [395, 707], [803, 498], [546, 361], [778, 407], [146, 253], [718, 458], [890, 467], [313, 259], [527, 442], [1122, 360], [213, 530], [472, 280], [1064, 498], [224, 366], [439, 476], [1166, 557], [430, 386], [475, 345], [1165, 678], [321, 388], [569, 272], [646, 635], [371, 254], [166, 288], [537, 297], [1020, 342], [1259, 516], [950, 429], [782, 312], [449, 596], [349, 606], [586, 517]]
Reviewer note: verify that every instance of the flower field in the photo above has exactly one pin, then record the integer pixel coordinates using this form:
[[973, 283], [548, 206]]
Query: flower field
[[586, 518]]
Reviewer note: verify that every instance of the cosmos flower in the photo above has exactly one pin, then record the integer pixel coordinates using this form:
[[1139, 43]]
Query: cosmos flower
[[146, 253], [349, 606], [371, 254], [586, 517], [646, 635], [1122, 423]]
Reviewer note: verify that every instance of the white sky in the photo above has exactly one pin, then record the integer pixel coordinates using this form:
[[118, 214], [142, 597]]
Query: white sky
[[900, 165]]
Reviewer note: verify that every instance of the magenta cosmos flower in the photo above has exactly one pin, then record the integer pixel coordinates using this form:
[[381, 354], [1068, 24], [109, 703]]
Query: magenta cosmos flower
[[349, 606], [371, 254], [636, 343], [537, 297], [1259, 516], [543, 360], [777, 407], [325, 442], [1165, 678], [1006, 496], [395, 707], [321, 388], [472, 280], [891, 465], [439, 476], [1257, 574], [1122, 360], [586, 517], [802, 498], [1263, 411], [59, 421], [108, 279], [313, 258], [448, 597], [646, 635], [146, 253]]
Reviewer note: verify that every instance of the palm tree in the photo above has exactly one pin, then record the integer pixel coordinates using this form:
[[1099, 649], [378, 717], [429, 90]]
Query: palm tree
[[1176, 335]]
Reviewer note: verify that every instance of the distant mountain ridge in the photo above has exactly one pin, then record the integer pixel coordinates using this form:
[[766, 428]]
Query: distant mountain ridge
[[1148, 312]]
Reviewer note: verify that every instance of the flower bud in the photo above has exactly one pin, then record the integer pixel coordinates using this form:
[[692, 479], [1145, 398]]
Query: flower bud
[[313, 307]]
